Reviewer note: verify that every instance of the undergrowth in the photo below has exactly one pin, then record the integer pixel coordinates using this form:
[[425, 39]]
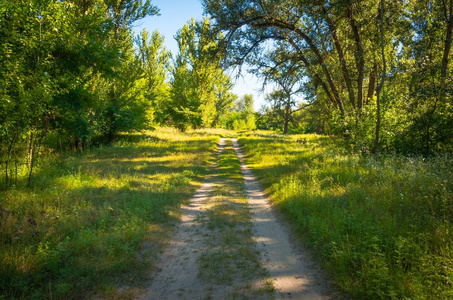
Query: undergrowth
[[382, 227], [79, 230]]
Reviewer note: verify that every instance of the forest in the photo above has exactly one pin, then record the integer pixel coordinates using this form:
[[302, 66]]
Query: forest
[[373, 75], [73, 74], [374, 72]]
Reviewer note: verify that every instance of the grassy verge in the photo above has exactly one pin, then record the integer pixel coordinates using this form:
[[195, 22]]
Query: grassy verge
[[80, 229], [383, 228], [231, 257]]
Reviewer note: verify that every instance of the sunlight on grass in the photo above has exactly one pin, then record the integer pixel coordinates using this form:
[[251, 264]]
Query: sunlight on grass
[[86, 217], [383, 228]]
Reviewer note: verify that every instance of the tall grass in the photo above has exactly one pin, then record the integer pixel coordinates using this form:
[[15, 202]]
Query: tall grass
[[92, 222], [383, 227]]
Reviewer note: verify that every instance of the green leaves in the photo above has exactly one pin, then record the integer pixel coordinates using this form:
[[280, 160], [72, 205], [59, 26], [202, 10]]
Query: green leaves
[[200, 90], [333, 51], [58, 63]]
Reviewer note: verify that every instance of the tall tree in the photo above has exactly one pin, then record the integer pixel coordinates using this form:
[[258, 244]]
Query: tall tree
[[333, 41], [381, 84], [198, 78], [49, 50], [155, 63], [123, 14], [431, 79], [281, 68], [243, 114]]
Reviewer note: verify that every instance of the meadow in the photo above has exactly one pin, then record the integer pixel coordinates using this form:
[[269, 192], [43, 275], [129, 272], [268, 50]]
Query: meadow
[[93, 222], [382, 228]]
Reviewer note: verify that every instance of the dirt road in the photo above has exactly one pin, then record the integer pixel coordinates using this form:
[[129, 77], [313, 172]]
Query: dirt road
[[252, 257]]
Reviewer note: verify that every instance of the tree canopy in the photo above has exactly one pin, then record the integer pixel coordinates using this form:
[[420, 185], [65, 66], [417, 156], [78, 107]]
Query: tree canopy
[[336, 47]]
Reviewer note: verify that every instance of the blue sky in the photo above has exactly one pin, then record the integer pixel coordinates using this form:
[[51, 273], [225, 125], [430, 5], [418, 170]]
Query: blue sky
[[173, 15]]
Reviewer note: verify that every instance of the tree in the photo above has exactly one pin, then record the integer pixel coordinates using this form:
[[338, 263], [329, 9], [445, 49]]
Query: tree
[[243, 115], [155, 64], [430, 79], [315, 33], [381, 84], [124, 13], [44, 63], [282, 106], [120, 109], [57, 66], [278, 67], [224, 101], [198, 78], [337, 48]]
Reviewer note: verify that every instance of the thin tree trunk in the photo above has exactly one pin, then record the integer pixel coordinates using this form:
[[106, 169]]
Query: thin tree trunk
[[7, 159], [371, 83], [428, 130], [337, 101], [431, 116], [448, 41], [31, 158], [7, 164], [341, 57], [284, 24], [15, 165], [359, 56], [30, 149], [287, 116], [381, 85]]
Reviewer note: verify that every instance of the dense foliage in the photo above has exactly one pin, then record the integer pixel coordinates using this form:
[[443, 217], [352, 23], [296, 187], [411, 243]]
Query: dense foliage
[[340, 48], [73, 75], [199, 87]]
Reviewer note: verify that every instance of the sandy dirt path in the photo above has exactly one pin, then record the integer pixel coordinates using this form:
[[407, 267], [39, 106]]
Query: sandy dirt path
[[177, 278], [293, 274]]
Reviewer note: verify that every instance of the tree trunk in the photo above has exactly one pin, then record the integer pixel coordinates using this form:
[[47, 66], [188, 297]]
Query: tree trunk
[[31, 157], [341, 57], [7, 164], [428, 130], [447, 47], [337, 101], [371, 83], [16, 163], [7, 158], [381, 85], [287, 116], [359, 56], [283, 24]]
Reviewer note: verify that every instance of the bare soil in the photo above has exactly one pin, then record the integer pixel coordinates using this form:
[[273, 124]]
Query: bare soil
[[290, 272]]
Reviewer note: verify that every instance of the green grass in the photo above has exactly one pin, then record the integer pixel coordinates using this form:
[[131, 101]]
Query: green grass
[[92, 223], [383, 228]]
